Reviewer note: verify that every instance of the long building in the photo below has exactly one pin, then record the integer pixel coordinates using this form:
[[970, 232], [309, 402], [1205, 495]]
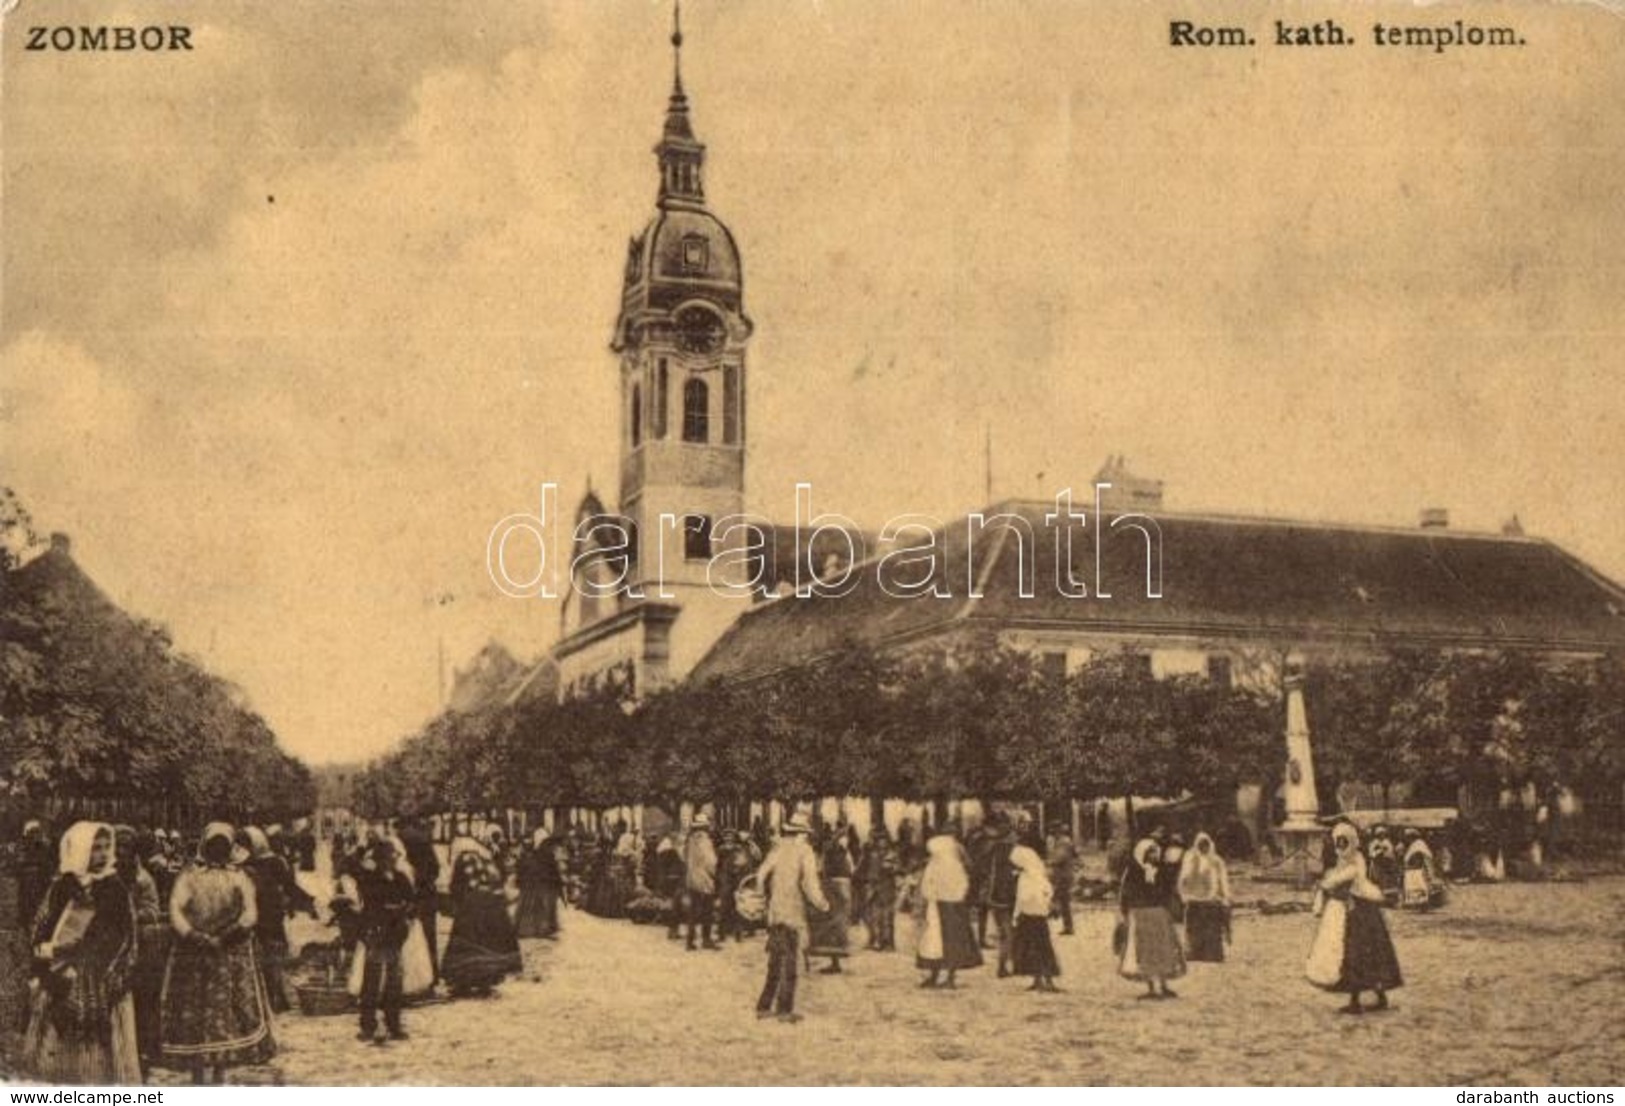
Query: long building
[[1191, 592]]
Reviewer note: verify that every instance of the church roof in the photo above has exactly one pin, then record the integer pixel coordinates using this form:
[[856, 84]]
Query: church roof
[[1223, 578]]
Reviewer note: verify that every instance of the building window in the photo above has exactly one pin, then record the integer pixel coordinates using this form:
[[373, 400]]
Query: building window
[[1052, 663], [696, 254], [696, 411], [637, 416], [696, 538], [1218, 669], [730, 405], [662, 393]]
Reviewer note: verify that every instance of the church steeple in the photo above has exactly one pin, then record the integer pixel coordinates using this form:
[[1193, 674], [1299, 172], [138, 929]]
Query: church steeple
[[681, 154]]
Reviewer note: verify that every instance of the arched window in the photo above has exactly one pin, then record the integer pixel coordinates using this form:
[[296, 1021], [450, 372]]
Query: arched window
[[696, 411], [637, 416]]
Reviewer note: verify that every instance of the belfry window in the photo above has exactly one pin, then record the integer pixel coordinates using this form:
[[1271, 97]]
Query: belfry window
[[662, 392], [696, 538], [637, 416], [696, 411], [730, 405]]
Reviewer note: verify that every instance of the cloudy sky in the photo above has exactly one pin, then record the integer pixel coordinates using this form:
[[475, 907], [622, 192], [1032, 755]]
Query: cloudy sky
[[291, 320]]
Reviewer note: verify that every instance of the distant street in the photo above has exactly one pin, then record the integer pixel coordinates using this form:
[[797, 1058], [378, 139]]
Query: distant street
[[1510, 984]]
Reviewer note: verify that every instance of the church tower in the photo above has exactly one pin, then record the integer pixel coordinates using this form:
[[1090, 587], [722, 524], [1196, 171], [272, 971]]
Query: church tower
[[681, 339]]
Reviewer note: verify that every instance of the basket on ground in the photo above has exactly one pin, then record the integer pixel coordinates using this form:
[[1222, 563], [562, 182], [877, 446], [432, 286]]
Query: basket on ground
[[323, 999]]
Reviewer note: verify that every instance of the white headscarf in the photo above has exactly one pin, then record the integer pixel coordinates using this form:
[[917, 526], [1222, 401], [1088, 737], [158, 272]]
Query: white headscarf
[[258, 843], [1204, 876], [1034, 892], [73, 856], [1142, 853], [944, 879]]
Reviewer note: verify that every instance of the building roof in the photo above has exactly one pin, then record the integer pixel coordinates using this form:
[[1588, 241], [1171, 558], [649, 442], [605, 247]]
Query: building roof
[[1223, 578]]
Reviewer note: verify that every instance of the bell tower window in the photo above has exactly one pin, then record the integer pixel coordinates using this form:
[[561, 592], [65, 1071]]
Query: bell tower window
[[730, 405], [637, 416], [696, 538], [662, 399], [696, 411]]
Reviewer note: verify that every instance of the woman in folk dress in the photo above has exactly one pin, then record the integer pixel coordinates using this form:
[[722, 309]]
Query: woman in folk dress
[[1352, 951], [214, 1010], [1151, 952], [483, 949], [947, 943], [82, 1026], [1423, 890], [1032, 950], [1204, 887]]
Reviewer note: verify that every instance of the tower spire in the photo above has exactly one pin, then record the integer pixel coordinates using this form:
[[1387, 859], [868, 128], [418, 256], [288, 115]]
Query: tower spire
[[677, 48], [680, 154]]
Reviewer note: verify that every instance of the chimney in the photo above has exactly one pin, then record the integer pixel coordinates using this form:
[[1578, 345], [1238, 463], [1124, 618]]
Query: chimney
[[1512, 528], [1128, 492], [60, 543], [1435, 518]]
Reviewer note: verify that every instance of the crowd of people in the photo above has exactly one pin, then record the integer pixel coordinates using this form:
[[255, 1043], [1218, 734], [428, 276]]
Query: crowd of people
[[153, 949]]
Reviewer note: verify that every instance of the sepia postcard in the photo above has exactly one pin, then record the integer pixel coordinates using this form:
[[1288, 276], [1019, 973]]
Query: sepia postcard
[[813, 542]]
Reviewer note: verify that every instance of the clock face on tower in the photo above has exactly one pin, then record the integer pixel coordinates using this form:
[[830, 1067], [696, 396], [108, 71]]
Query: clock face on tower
[[698, 330]]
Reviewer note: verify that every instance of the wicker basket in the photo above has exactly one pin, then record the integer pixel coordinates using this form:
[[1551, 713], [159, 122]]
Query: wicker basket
[[749, 901], [324, 999]]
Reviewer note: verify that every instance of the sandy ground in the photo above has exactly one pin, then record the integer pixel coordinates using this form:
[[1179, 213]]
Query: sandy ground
[[1511, 984]]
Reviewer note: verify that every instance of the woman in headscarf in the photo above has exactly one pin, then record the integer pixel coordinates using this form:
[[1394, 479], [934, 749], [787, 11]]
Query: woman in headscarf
[[482, 950], [540, 882], [1422, 888], [1204, 886], [1032, 950], [1384, 866], [1151, 952], [831, 931], [215, 1013], [152, 938], [1351, 951], [947, 942], [82, 1026], [273, 902]]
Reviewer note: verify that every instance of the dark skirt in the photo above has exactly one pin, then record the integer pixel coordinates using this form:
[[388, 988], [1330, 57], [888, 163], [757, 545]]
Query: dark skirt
[[959, 948], [1033, 950], [831, 932], [538, 914], [214, 1009], [482, 950], [1369, 960], [605, 898], [1205, 926]]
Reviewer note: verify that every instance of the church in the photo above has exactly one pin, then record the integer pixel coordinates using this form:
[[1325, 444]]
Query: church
[[669, 585]]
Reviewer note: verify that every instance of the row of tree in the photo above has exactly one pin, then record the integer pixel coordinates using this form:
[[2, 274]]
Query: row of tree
[[997, 723], [101, 715]]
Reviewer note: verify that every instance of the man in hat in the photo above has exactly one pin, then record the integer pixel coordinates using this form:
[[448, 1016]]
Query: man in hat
[[700, 875], [789, 879]]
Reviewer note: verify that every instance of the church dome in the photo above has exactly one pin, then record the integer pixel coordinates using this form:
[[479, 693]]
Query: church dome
[[690, 244]]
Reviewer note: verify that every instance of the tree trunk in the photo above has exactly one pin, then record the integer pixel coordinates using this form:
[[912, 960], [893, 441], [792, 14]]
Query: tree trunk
[[1128, 816]]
